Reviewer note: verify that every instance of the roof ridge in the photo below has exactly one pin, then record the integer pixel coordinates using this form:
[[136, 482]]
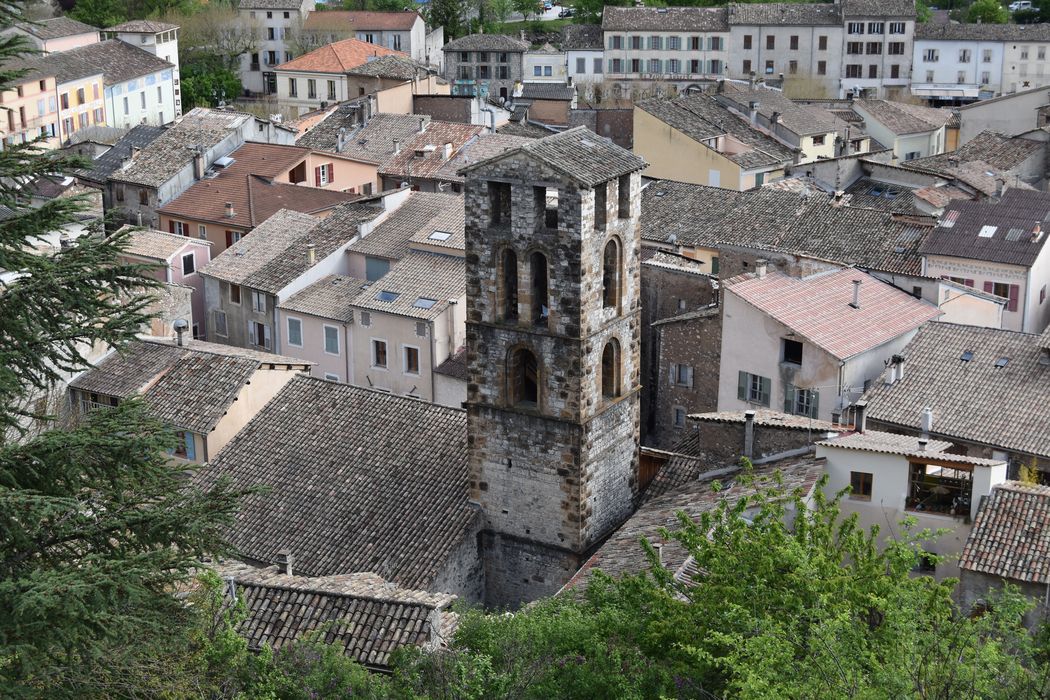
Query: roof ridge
[[435, 605]]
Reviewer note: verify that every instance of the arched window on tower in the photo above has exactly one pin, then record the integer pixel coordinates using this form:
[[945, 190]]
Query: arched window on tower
[[509, 285], [523, 375], [611, 275], [611, 387], [539, 292]]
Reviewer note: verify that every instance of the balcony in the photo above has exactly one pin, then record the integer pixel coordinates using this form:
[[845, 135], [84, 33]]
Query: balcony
[[939, 489]]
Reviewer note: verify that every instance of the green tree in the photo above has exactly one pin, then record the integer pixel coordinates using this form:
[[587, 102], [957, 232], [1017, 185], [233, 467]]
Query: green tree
[[97, 528], [501, 10], [923, 13], [987, 12], [206, 81], [100, 13], [448, 14], [527, 8]]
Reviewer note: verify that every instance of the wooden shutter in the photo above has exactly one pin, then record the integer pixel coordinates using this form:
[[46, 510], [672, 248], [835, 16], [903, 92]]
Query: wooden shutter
[[765, 383], [191, 446], [789, 399], [988, 287], [317, 176], [171, 226], [1015, 293], [331, 172], [969, 283], [741, 386], [229, 238], [266, 337]]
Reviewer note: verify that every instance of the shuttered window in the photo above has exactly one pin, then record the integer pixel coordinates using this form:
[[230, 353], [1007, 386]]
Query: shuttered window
[[753, 388]]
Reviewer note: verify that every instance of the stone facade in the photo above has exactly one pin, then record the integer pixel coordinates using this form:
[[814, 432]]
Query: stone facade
[[552, 429]]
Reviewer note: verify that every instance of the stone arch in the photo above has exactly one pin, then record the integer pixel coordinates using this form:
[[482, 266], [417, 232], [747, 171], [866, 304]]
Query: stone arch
[[508, 284], [524, 377], [612, 273], [612, 370]]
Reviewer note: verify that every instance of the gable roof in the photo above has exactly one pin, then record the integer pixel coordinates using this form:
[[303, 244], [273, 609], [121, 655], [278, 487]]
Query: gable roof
[[560, 92], [372, 141], [189, 387], [418, 276], [408, 163], [360, 481], [703, 117], [363, 615], [902, 118], [819, 308], [360, 21], [56, 28], [275, 253], [248, 183], [996, 150], [142, 26], [779, 13], [582, 37], [157, 245], [577, 153], [972, 400], [487, 42], [390, 67], [672, 19], [115, 60], [329, 297], [801, 119], [481, 147], [337, 57], [140, 136], [1011, 534], [1012, 231], [422, 212]]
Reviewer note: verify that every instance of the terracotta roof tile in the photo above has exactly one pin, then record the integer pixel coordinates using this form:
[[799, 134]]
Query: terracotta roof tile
[[423, 156], [157, 245], [329, 297], [418, 286], [56, 28], [902, 118], [337, 57], [1011, 534], [422, 212]]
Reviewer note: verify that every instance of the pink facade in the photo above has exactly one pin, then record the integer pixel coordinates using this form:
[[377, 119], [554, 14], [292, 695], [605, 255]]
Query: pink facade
[[29, 111]]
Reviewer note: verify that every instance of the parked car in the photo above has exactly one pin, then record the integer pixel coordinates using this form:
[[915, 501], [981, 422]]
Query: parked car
[[547, 6], [1020, 5], [567, 12]]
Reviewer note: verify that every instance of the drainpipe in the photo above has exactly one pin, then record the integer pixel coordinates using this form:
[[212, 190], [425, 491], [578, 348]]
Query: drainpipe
[[346, 353], [433, 385]]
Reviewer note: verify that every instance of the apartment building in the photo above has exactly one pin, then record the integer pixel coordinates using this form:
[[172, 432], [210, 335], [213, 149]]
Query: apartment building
[[158, 38], [399, 31], [276, 21], [31, 111], [484, 64]]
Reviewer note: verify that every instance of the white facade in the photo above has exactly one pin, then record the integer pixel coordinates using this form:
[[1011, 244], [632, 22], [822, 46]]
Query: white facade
[[545, 66], [813, 53], [1025, 65], [905, 146], [148, 99], [163, 45], [275, 26], [956, 69], [683, 59], [585, 65], [882, 73]]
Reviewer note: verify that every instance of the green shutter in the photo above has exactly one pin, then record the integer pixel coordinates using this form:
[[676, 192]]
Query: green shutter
[[789, 399], [765, 384], [815, 405], [741, 386]]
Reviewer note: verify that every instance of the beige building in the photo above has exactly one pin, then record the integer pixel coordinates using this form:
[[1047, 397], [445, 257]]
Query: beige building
[[911, 131], [31, 111], [56, 34]]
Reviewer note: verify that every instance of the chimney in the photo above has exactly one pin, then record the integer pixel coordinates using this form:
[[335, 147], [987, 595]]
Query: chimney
[[856, 294], [899, 361], [752, 111], [198, 164], [230, 213], [311, 254], [1000, 186], [1037, 233], [774, 118], [285, 560], [760, 268], [422, 125], [340, 140], [397, 146], [446, 152], [892, 378], [138, 218], [749, 433], [180, 327], [134, 151], [922, 444], [926, 421], [860, 416]]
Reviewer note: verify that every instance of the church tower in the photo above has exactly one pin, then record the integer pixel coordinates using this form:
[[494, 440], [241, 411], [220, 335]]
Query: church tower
[[553, 260]]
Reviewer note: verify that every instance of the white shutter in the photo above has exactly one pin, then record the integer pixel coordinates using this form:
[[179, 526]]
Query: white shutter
[[266, 338], [689, 377]]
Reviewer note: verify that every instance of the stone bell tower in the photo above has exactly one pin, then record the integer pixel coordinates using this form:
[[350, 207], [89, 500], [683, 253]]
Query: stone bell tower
[[553, 260]]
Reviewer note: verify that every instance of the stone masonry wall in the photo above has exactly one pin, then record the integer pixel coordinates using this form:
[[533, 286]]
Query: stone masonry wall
[[696, 342]]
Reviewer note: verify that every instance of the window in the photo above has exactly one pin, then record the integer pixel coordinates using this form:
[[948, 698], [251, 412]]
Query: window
[[746, 66], [331, 89], [611, 275], [509, 288], [1011, 292], [271, 58], [747, 41], [674, 66], [144, 197], [895, 48], [611, 369], [895, 71], [930, 55], [160, 95], [679, 417], [715, 44], [84, 122], [912, 155], [822, 67], [792, 352], [311, 89], [753, 388], [581, 65], [220, 323], [794, 42], [177, 227], [597, 66], [873, 71], [323, 174], [189, 264], [331, 339], [896, 27], [202, 232], [1024, 54], [656, 43], [655, 65], [523, 376], [854, 47], [681, 375], [636, 43], [855, 28], [960, 77], [235, 294], [929, 76], [986, 56], [822, 43], [411, 360], [379, 353], [375, 268], [964, 55], [769, 68], [792, 67], [876, 27], [860, 486], [540, 292], [81, 96], [499, 203], [258, 302], [874, 48], [295, 332], [185, 446], [819, 140], [616, 42], [259, 334], [270, 33], [801, 402], [674, 43], [536, 71], [65, 100], [771, 42], [623, 194]]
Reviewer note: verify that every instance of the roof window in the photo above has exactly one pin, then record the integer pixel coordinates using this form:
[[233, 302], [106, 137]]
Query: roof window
[[1014, 234], [424, 303], [440, 236], [987, 231], [387, 295], [967, 356], [1001, 362]]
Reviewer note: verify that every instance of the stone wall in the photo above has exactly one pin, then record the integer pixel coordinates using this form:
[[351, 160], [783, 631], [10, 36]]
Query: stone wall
[[447, 108], [736, 260], [518, 570], [462, 573], [722, 443], [697, 343]]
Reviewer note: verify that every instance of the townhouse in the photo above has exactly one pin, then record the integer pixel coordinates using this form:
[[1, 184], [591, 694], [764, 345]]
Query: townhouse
[[79, 89], [31, 107], [399, 31], [910, 131], [487, 65], [584, 52], [56, 34], [158, 38], [276, 22]]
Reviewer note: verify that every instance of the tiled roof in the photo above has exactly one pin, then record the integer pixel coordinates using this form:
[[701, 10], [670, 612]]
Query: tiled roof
[[487, 42], [800, 119], [165, 156], [156, 245], [930, 31], [248, 183], [359, 481], [373, 142], [418, 286], [186, 387], [702, 117], [337, 57], [668, 19], [679, 263], [579, 154], [116, 60], [360, 20], [1011, 534], [902, 118], [364, 616], [875, 194], [710, 311], [275, 253], [581, 37], [888, 443], [329, 297], [391, 67], [526, 129], [431, 143], [819, 308], [1019, 93], [878, 8], [142, 26], [1011, 231], [994, 149], [455, 366], [423, 212], [973, 400], [622, 553], [479, 148], [782, 221], [769, 419], [56, 28], [780, 13], [102, 167], [548, 91]]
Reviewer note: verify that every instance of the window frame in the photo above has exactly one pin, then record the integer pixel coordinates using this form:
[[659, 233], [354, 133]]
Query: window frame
[[193, 263], [288, 330], [404, 360], [865, 482], [324, 339], [373, 344]]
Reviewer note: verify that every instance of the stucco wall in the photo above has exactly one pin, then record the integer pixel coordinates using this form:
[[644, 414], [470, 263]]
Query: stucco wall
[[674, 156], [263, 386]]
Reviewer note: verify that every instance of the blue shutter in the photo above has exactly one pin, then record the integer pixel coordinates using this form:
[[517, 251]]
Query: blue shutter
[[191, 446]]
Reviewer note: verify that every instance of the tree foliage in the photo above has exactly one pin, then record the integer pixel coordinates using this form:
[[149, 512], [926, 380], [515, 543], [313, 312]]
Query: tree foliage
[[206, 81], [449, 14], [987, 12]]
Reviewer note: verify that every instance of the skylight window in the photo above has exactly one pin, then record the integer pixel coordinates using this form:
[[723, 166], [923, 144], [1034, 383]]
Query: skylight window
[[424, 303], [987, 231], [967, 356], [440, 236], [1014, 234], [387, 295], [1001, 362], [949, 219]]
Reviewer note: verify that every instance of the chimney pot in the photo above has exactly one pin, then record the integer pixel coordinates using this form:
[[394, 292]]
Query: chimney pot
[[749, 433], [922, 444], [230, 213], [856, 294], [926, 420], [285, 560], [397, 146], [180, 325], [311, 254], [760, 268], [422, 125]]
